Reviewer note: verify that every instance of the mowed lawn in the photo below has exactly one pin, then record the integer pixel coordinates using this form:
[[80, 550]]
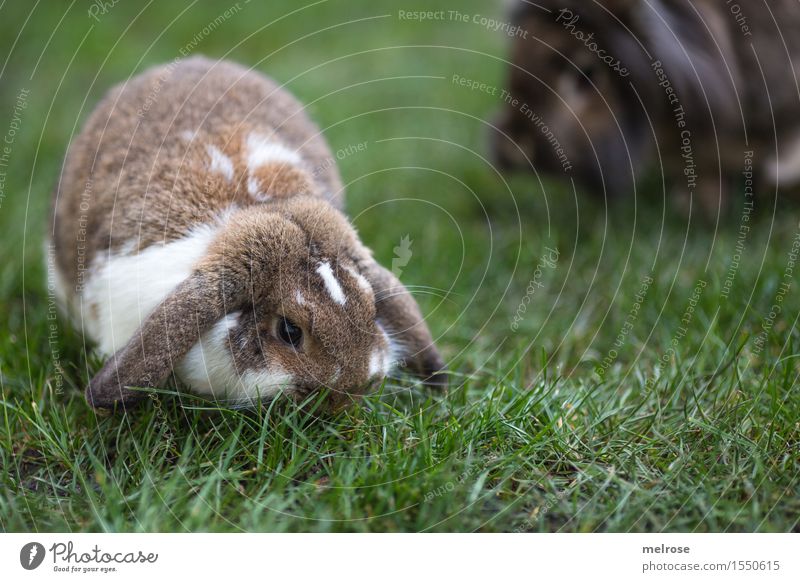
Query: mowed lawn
[[614, 367]]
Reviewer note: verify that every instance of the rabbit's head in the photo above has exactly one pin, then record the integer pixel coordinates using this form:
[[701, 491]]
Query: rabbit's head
[[287, 300]]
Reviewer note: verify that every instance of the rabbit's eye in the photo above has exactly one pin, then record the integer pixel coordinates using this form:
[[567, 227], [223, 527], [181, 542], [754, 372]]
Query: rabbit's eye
[[289, 333]]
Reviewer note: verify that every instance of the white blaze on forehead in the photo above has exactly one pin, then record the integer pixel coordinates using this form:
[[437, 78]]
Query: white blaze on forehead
[[220, 163], [298, 296], [331, 283], [262, 151]]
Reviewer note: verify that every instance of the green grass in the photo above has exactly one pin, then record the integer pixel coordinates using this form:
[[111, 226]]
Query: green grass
[[693, 424]]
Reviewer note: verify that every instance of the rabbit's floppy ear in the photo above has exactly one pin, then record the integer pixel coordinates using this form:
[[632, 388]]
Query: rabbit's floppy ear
[[160, 342], [399, 314]]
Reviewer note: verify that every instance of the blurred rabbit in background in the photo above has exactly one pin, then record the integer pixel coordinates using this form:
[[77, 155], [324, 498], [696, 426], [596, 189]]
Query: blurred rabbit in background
[[702, 91]]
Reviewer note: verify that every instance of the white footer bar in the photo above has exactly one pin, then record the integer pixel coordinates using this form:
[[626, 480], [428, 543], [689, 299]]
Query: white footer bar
[[388, 557]]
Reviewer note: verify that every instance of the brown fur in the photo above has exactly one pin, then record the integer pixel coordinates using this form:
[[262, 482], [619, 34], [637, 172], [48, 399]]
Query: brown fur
[[120, 152], [603, 118], [149, 184]]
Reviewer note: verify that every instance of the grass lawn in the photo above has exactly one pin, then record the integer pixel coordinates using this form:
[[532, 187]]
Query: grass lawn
[[615, 368]]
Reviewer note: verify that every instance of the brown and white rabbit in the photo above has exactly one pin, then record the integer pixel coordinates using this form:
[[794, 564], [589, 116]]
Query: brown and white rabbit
[[198, 229], [608, 90]]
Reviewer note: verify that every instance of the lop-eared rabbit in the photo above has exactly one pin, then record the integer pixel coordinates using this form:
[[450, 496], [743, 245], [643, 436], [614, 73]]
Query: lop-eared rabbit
[[198, 229], [609, 90]]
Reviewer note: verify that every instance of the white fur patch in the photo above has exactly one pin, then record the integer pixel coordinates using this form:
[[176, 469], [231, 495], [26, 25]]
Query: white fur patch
[[220, 163], [298, 296], [376, 362], [208, 365], [382, 361], [121, 291], [127, 249], [264, 384], [331, 283], [393, 352], [254, 189], [262, 151], [208, 368]]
